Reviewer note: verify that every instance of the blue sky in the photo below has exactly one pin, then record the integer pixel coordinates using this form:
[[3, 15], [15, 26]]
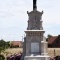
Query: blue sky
[[13, 17]]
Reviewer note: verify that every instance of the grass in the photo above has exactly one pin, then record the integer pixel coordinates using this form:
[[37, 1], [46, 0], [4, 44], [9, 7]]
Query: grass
[[51, 51], [11, 51]]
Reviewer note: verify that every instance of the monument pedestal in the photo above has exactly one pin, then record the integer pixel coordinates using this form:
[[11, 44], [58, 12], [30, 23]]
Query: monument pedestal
[[43, 56], [35, 45], [37, 57]]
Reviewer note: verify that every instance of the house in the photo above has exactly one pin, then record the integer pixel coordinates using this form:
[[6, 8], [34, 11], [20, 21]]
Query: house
[[54, 42], [16, 44]]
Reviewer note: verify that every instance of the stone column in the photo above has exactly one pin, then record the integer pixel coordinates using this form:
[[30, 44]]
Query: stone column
[[44, 48]]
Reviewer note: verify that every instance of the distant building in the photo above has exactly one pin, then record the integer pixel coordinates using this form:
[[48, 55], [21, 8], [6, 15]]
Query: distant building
[[54, 42], [15, 44]]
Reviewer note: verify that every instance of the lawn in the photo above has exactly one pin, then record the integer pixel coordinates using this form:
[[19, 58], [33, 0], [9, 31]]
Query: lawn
[[12, 51], [51, 51]]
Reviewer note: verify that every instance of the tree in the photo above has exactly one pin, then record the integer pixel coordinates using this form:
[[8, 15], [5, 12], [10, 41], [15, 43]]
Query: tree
[[48, 37], [7, 44], [3, 45]]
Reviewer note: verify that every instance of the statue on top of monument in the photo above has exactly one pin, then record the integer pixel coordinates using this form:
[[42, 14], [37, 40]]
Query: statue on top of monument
[[34, 4]]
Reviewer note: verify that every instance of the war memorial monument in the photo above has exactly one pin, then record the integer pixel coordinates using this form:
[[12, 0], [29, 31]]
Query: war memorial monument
[[35, 45]]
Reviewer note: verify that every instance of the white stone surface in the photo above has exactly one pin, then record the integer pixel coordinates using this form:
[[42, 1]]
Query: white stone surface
[[34, 47], [44, 49], [37, 57]]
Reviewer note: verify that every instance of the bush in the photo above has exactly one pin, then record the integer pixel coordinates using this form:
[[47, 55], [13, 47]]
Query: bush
[[57, 57], [2, 57]]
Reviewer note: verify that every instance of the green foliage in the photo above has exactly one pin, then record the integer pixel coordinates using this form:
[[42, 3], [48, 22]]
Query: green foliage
[[7, 44], [48, 37], [2, 57], [1, 49], [3, 45]]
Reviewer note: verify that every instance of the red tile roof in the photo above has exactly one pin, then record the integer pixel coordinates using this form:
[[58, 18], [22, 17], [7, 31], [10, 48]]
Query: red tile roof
[[16, 43], [52, 39]]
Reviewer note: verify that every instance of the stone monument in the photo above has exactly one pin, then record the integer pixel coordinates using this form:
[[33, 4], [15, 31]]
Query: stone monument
[[35, 45]]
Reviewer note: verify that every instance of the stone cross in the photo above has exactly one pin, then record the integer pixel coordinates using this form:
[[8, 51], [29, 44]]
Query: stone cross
[[34, 4]]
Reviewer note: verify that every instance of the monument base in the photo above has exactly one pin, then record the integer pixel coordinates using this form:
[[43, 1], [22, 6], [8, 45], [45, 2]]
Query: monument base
[[37, 57]]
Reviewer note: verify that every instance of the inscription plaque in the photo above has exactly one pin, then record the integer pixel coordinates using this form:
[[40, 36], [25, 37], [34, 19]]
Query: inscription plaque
[[34, 47]]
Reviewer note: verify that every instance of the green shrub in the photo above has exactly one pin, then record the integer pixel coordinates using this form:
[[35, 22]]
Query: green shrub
[[2, 57]]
